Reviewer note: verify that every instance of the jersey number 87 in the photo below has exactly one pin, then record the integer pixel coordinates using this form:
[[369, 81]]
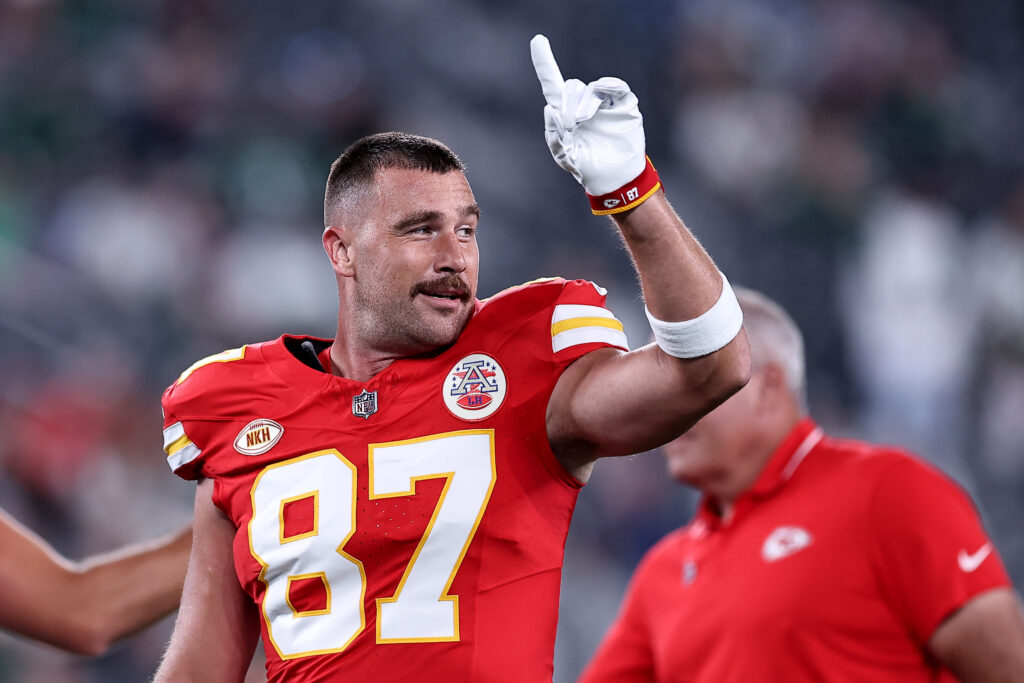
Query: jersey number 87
[[421, 610]]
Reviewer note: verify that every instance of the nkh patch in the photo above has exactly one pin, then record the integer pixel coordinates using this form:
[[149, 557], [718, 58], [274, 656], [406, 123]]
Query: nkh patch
[[475, 388], [258, 437], [364, 404]]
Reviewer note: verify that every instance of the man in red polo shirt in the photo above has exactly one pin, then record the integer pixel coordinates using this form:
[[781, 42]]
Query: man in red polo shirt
[[810, 558]]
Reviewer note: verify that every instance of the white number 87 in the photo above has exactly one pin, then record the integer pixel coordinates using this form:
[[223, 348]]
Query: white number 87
[[421, 609]]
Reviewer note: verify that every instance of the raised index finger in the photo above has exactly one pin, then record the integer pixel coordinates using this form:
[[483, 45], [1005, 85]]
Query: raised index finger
[[551, 83]]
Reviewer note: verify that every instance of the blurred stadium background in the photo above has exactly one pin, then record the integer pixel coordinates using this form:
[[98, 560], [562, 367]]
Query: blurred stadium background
[[161, 171]]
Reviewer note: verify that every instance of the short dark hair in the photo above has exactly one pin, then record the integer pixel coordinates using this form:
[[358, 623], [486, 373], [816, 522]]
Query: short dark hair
[[357, 166]]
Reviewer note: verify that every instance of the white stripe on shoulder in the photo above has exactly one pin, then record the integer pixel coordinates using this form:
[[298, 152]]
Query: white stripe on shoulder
[[570, 311], [589, 335], [184, 456], [172, 434]]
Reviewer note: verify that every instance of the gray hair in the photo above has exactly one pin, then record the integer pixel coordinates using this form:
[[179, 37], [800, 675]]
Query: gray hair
[[774, 338]]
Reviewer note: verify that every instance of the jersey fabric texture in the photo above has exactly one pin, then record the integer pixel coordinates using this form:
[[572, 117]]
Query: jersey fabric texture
[[837, 565], [402, 528]]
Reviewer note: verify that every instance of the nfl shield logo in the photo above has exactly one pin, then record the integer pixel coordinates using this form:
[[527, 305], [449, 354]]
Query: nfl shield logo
[[365, 404]]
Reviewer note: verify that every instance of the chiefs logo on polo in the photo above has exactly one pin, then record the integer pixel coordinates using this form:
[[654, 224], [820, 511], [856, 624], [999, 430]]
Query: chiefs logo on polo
[[785, 541], [258, 437], [475, 388]]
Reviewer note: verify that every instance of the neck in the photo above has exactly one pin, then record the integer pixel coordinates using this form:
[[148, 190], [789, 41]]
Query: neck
[[355, 368], [761, 451], [355, 361]]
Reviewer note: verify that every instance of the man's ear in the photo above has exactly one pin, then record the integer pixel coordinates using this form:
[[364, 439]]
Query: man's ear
[[774, 388], [339, 245]]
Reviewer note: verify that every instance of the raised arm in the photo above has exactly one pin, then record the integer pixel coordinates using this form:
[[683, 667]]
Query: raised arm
[[85, 607], [610, 403], [217, 627]]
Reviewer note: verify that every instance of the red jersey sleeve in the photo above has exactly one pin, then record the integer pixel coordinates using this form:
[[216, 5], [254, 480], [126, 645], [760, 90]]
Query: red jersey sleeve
[[186, 403], [930, 550], [581, 322], [545, 326], [182, 453], [625, 654]]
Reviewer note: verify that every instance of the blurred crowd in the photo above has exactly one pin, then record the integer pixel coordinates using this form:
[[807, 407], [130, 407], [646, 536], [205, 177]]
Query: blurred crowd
[[161, 174]]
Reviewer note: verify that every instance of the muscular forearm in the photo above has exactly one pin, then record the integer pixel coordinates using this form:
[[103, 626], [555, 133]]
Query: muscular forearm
[[657, 395], [84, 607], [681, 282], [679, 279], [127, 591]]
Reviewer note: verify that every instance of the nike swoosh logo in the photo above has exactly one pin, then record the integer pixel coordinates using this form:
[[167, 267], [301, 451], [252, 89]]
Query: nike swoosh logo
[[968, 563]]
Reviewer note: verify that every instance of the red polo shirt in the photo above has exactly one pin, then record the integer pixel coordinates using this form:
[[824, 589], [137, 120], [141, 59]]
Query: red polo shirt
[[837, 565]]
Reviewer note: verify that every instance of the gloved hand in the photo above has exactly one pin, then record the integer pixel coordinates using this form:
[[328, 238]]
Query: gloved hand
[[596, 133]]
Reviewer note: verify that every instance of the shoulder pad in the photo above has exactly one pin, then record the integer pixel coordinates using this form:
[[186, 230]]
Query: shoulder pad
[[205, 386], [575, 310]]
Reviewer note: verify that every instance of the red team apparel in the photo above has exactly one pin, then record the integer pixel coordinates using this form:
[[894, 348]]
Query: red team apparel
[[837, 565], [408, 528]]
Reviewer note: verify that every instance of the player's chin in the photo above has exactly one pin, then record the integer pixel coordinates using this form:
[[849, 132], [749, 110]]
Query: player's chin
[[442, 328]]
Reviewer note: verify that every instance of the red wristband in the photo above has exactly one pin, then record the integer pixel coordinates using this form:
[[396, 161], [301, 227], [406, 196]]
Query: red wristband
[[630, 195]]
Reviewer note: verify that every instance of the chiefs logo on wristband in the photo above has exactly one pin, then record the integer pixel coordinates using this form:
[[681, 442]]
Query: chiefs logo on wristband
[[630, 195]]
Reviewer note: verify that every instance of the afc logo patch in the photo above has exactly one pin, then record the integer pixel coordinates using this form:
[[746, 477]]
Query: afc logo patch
[[475, 388]]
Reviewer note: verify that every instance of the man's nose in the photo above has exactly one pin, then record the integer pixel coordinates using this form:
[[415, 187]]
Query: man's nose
[[451, 253]]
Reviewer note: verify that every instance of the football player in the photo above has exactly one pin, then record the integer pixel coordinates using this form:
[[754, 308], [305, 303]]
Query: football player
[[393, 504]]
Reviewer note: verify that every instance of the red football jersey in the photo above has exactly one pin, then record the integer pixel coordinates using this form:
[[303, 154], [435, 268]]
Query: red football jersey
[[837, 565], [410, 527]]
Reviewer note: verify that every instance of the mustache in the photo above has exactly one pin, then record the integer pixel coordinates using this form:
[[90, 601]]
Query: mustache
[[446, 284]]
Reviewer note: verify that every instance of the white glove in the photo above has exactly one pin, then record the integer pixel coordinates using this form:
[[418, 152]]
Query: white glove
[[594, 131]]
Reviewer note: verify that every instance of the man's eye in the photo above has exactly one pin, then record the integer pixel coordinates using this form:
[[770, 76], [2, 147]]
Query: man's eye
[[466, 231]]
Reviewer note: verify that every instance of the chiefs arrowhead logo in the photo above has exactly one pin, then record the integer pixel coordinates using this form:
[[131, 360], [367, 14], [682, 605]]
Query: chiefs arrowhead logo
[[785, 541]]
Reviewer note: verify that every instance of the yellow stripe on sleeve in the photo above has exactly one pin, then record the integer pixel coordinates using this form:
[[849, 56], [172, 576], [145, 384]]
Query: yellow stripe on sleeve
[[573, 323], [179, 448], [177, 445]]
